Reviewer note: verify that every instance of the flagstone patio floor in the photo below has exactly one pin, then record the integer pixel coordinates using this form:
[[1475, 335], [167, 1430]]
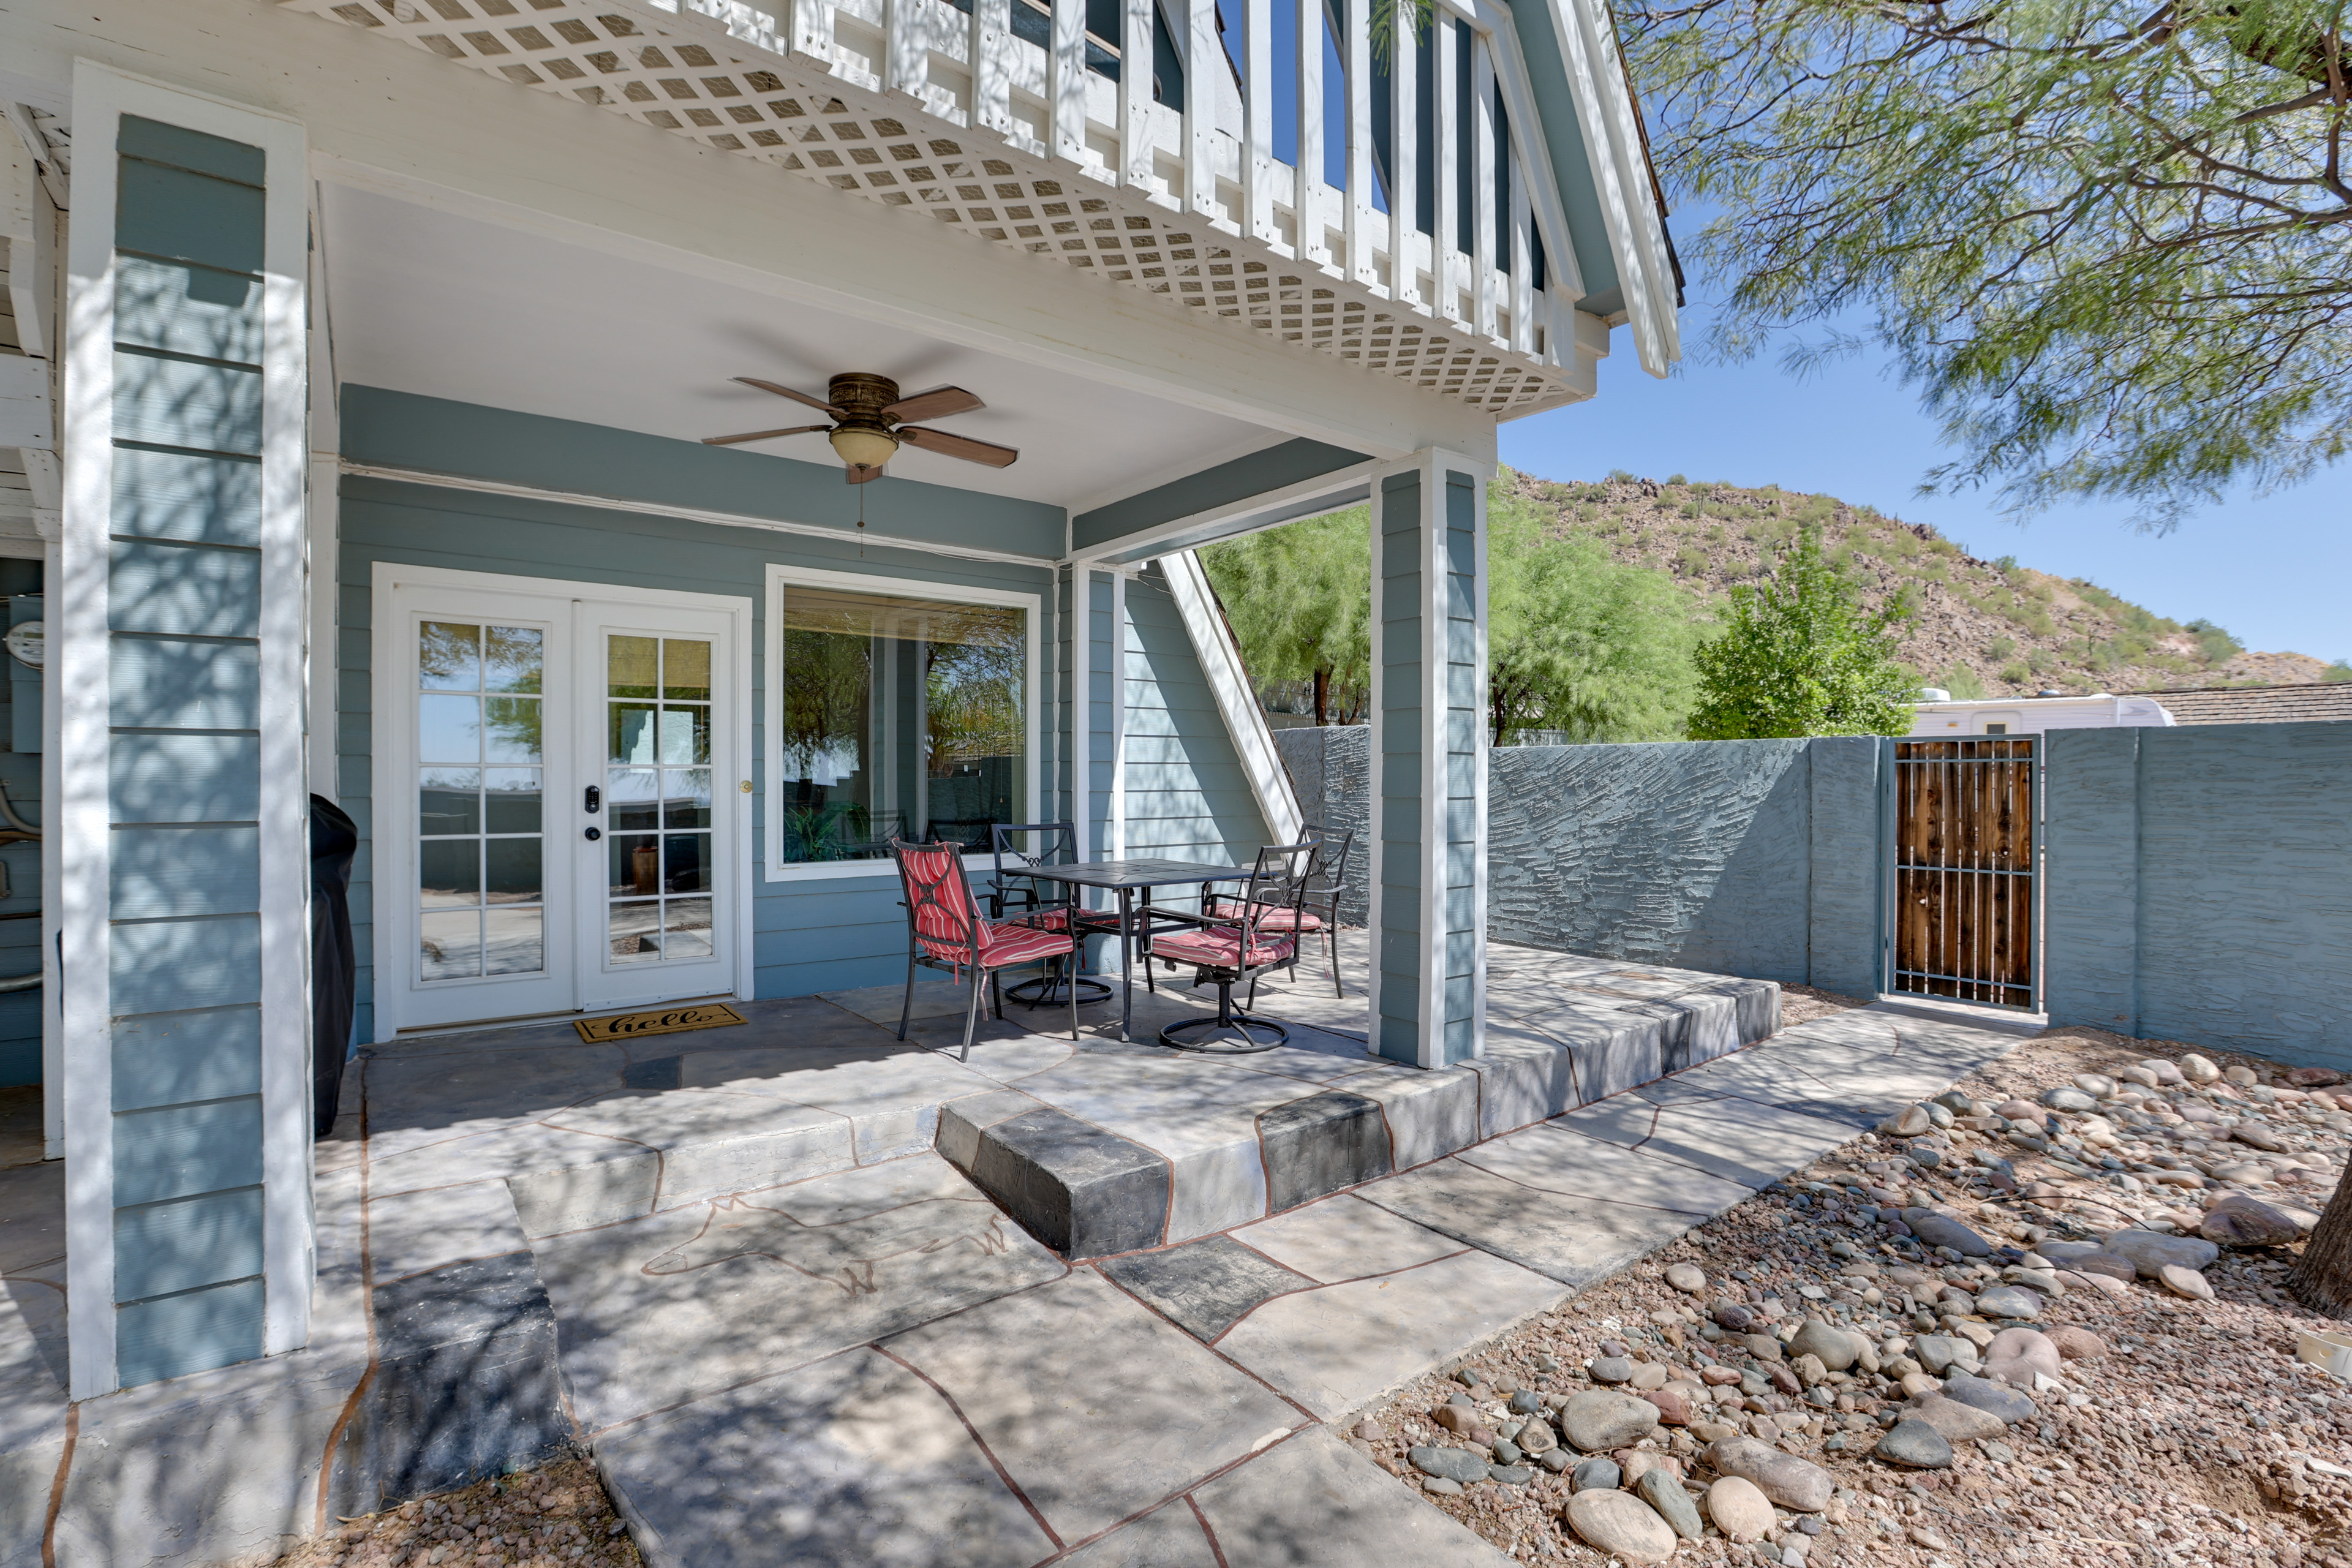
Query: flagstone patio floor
[[752, 1270]]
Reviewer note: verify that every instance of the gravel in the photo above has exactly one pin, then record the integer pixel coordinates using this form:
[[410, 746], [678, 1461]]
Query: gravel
[[534, 1519], [2177, 1432]]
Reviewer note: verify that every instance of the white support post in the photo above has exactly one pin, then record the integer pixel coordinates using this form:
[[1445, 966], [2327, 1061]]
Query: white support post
[[812, 32], [1404, 158], [906, 48], [1444, 160], [1356, 45], [991, 66], [1307, 199], [1135, 94], [1204, 60], [1523, 264], [1257, 123], [1066, 75], [1482, 189]]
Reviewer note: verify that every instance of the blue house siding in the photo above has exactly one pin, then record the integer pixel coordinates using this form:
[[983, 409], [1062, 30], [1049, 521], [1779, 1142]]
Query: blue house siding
[[825, 934], [1188, 797], [20, 772], [184, 615]]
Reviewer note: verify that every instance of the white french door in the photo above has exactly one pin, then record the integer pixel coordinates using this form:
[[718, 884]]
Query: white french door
[[558, 780]]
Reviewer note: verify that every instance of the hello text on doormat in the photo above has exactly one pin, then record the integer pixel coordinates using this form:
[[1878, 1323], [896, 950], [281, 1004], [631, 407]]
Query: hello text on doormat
[[670, 1021]]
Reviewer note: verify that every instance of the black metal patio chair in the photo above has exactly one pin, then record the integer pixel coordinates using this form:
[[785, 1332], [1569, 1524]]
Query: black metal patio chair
[[1049, 906], [946, 929], [1258, 935], [1326, 883]]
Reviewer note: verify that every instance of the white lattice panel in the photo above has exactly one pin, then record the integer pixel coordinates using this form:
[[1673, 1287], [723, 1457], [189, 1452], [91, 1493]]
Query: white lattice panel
[[729, 81]]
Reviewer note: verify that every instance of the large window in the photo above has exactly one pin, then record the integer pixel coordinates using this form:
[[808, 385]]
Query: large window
[[896, 715]]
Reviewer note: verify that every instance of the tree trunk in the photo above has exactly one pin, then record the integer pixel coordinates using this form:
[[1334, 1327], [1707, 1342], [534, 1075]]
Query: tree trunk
[[1322, 698], [2322, 1278]]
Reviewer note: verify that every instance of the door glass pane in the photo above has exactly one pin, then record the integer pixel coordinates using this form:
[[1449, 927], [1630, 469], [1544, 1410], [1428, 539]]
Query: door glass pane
[[448, 729], [511, 799], [633, 666], [656, 775], [900, 718], [480, 883], [449, 657]]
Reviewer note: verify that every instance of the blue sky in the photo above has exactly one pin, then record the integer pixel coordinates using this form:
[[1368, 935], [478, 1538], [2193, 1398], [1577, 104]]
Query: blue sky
[[2272, 570]]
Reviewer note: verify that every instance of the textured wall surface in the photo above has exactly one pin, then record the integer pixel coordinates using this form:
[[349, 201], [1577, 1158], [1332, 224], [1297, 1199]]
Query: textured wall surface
[[2201, 886], [1752, 858]]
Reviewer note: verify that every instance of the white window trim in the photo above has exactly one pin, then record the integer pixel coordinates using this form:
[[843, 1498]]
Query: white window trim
[[392, 750], [772, 703]]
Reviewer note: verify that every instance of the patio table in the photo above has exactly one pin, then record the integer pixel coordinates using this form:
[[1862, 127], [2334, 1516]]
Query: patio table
[[1124, 879]]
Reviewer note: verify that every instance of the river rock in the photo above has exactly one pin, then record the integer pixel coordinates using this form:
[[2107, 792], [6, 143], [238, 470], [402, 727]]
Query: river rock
[[1648, 1376], [1621, 1524], [1994, 1398], [1908, 1122], [1788, 1480], [1935, 1352], [1732, 1318], [1453, 1464], [1958, 1423], [1611, 1369], [2107, 1266], [1596, 1474], [2199, 1069], [2240, 1220], [1917, 1445], [1687, 1278], [2184, 1283], [2314, 1077], [1763, 1347], [2095, 1083], [1537, 1438], [2017, 1355], [1740, 1508], [2068, 1100], [2151, 1250], [1835, 1348], [1943, 1230], [1663, 1491], [2259, 1135], [2078, 1344], [1673, 1407], [2168, 1074], [1599, 1419], [2010, 1301]]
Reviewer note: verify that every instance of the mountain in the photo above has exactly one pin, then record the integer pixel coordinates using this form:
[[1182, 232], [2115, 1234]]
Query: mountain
[[1981, 627]]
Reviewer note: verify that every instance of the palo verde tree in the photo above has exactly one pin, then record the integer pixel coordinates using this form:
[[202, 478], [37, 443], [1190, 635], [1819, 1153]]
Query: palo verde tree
[[2107, 240], [1298, 599], [1802, 655]]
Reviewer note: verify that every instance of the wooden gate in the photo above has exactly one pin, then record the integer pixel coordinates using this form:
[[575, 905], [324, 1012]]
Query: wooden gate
[[1962, 885]]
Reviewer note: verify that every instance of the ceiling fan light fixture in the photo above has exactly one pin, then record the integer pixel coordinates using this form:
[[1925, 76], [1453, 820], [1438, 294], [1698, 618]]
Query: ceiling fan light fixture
[[864, 449]]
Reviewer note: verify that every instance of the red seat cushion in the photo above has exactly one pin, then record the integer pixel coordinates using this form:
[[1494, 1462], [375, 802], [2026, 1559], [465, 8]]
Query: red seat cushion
[[1220, 947], [1269, 918]]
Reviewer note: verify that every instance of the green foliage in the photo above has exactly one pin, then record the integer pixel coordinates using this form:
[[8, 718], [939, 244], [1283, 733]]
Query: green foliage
[[2006, 563], [2015, 673], [1802, 656], [1578, 642], [2217, 645], [1962, 683], [1300, 600], [2106, 242], [2341, 670]]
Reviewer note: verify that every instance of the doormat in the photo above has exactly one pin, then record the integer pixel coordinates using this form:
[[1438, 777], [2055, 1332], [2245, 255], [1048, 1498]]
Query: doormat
[[630, 1025]]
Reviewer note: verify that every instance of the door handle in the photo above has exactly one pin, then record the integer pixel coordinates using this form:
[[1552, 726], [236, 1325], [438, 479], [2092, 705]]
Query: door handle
[[593, 834], [593, 801]]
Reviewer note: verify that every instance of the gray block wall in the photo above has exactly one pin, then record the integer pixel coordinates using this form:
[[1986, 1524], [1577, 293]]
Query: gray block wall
[[2201, 886], [1749, 858]]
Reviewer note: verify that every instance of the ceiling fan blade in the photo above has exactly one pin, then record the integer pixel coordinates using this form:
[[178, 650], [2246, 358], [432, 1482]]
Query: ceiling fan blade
[[761, 435], [788, 392], [963, 446], [936, 404], [858, 476]]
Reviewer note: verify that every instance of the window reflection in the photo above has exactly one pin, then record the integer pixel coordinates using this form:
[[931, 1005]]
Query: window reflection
[[480, 887], [900, 718]]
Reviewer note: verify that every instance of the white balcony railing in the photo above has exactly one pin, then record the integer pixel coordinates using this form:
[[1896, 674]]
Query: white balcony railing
[[1011, 120]]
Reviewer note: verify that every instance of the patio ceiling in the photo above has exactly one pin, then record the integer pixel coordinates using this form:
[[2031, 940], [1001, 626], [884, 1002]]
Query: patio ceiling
[[445, 305]]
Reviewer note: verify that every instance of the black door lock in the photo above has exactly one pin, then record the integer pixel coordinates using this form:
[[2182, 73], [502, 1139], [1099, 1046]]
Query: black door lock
[[593, 834], [594, 801]]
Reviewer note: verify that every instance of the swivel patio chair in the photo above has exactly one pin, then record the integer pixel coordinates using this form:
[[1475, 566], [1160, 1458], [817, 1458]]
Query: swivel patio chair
[[945, 931], [1017, 846], [1326, 883], [1259, 935]]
